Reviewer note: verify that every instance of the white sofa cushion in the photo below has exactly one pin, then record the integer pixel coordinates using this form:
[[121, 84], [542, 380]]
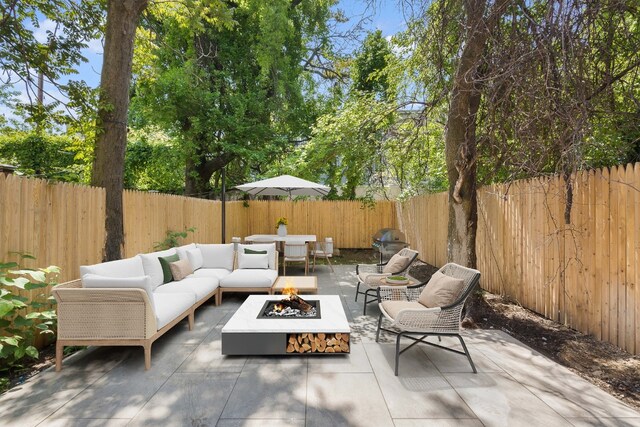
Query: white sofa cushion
[[258, 261], [218, 273], [136, 282], [198, 286], [250, 278], [217, 255], [195, 258], [269, 247], [128, 267], [182, 250], [152, 267], [171, 305]]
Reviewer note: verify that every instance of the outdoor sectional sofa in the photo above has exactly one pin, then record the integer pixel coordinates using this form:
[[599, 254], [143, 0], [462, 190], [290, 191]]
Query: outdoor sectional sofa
[[132, 302]]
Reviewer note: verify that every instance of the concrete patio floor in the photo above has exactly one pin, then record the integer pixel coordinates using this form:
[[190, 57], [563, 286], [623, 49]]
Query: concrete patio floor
[[192, 384]]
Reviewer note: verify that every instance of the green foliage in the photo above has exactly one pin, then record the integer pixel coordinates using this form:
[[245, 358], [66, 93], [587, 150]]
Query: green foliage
[[41, 155], [23, 56], [152, 162], [22, 318], [221, 109], [172, 239], [370, 65]]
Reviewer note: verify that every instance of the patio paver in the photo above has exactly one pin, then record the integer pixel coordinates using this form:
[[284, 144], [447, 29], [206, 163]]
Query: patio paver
[[191, 383]]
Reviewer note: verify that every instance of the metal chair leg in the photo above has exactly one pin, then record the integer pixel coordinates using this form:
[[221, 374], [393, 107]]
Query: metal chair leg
[[357, 290], [379, 325], [466, 352], [398, 352]]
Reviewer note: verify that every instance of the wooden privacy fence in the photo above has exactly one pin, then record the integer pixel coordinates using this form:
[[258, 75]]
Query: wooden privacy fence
[[63, 224], [584, 274]]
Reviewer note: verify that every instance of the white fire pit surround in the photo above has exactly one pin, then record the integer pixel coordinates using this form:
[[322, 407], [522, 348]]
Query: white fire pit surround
[[246, 334]]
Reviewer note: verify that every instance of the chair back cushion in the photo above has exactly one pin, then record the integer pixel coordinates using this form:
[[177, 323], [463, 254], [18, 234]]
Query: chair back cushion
[[396, 264], [441, 290]]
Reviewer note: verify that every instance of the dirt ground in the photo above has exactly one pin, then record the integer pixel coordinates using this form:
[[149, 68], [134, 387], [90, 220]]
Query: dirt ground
[[601, 363], [605, 365]]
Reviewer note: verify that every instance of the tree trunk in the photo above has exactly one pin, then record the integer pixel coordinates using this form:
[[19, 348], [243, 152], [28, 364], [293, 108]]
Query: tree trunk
[[111, 139], [460, 132], [460, 141]]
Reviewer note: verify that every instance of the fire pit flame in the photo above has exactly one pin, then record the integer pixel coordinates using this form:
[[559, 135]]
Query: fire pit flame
[[289, 290]]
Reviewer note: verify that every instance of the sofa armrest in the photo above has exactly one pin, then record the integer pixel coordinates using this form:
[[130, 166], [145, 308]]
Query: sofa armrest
[[103, 313]]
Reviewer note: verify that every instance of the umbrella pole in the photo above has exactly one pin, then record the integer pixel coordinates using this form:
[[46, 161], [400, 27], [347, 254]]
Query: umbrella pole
[[223, 198]]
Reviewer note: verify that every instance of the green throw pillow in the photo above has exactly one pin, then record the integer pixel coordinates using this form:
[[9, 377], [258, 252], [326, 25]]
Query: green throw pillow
[[252, 251], [166, 270]]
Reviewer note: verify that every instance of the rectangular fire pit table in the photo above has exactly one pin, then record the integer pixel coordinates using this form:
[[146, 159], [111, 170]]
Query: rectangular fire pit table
[[246, 334]]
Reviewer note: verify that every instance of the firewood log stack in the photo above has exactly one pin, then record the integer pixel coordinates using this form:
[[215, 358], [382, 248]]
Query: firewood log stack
[[318, 343]]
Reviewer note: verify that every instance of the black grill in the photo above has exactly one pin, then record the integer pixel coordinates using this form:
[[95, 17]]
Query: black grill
[[388, 241]]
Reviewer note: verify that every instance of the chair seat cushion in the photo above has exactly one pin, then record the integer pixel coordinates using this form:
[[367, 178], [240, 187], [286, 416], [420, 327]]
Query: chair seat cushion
[[170, 305], [392, 308], [218, 273], [441, 290], [373, 279], [198, 286], [251, 278]]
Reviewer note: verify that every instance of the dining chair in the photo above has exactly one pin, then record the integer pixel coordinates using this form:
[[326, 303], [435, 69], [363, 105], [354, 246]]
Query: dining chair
[[295, 251], [323, 250]]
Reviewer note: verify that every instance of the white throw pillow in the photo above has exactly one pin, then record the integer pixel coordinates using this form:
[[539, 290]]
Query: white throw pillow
[[253, 260], [217, 255], [138, 282], [269, 247], [182, 250], [195, 258]]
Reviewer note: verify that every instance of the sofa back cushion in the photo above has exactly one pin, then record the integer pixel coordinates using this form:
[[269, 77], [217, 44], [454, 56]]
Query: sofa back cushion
[[182, 250], [217, 256], [128, 267], [246, 260], [152, 266], [269, 247], [90, 280]]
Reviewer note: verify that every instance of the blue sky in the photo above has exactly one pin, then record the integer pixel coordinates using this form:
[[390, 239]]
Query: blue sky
[[384, 15]]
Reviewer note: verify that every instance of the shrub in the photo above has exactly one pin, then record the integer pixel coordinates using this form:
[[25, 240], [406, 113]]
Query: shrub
[[22, 318]]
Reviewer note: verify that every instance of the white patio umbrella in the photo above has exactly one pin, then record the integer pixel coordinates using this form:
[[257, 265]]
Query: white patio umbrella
[[284, 185]]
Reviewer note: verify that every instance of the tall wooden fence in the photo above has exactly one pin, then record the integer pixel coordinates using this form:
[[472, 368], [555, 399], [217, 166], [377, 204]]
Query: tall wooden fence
[[584, 274], [63, 224]]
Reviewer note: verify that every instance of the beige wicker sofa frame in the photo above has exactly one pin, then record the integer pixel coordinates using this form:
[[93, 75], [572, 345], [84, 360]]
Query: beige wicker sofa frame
[[110, 317]]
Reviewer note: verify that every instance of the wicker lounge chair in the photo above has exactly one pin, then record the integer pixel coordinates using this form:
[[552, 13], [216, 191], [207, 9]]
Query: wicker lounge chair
[[370, 277], [411, 319]]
